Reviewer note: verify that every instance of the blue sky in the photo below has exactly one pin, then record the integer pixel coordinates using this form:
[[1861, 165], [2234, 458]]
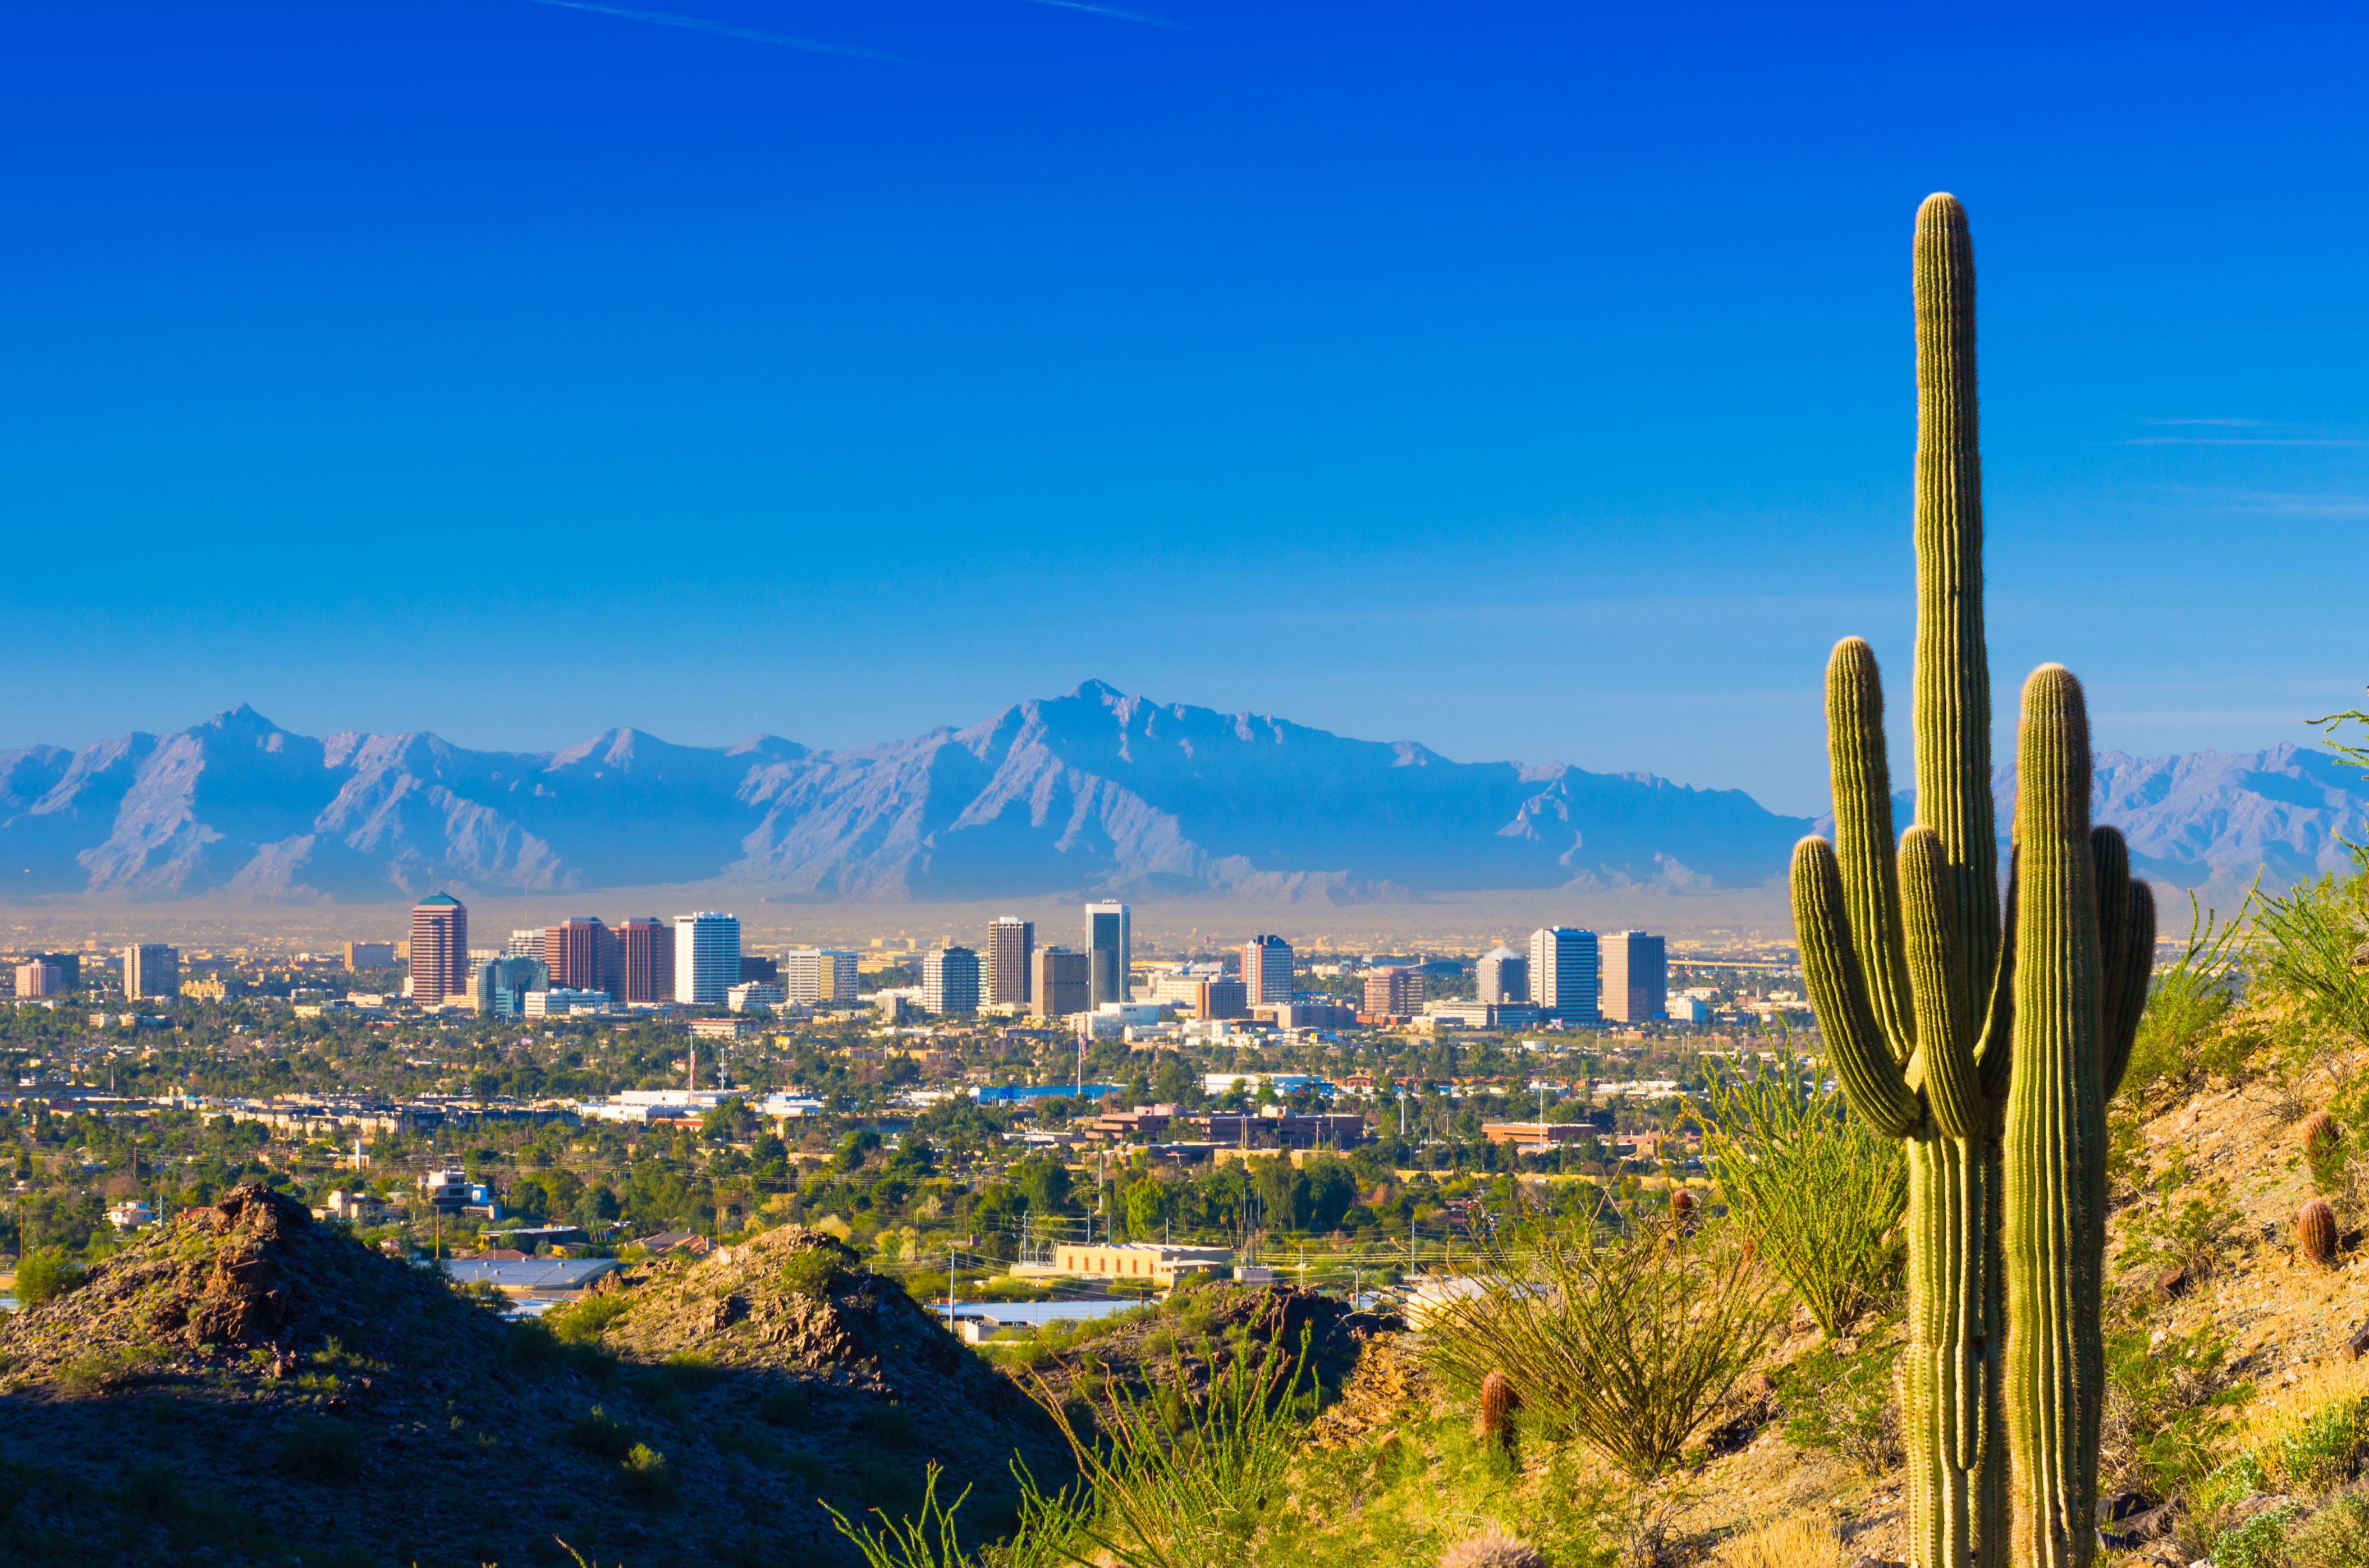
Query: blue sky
[[1531, 380]]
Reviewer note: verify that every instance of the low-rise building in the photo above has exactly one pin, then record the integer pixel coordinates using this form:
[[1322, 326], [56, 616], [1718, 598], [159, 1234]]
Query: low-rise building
[[1156, 1263]]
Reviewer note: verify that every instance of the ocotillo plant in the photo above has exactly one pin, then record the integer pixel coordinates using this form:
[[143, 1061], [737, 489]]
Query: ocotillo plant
[[1913, 977], [2316, 1229]]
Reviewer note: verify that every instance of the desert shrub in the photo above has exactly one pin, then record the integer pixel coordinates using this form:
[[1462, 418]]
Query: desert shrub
[[325, 1453], [2336, 1537], [1188, 1495], [2260, 1542], [102, 1371], [785, 1405], [1627, 1345], [2304, 944], [46, 1275], [888, 1423], [1820, 1193], [583, 1322], [2169, 1407], [1845, 1405], [2187, 1004], [815, 1271], [690, 1370], [2322, 1450], [646, 1478], [928, 1539], [597, 1433], [2184, 1223]]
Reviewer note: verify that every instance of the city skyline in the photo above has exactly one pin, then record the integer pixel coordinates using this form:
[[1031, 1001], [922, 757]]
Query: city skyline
[[1558, 341]]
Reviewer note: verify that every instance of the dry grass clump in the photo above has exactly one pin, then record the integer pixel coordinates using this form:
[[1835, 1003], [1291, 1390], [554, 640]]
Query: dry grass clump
[[1793, 1542], [1493, 1549]]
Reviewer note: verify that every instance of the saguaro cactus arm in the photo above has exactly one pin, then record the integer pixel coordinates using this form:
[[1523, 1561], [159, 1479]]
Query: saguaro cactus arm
[[1945, 1043], [2126, 946], [2055, 1138], [1863, 841], [1862, 1057], [1996, 1055]]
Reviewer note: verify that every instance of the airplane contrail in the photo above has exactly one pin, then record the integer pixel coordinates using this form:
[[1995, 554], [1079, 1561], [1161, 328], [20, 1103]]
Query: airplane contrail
[[728, 30], [1109, 11]]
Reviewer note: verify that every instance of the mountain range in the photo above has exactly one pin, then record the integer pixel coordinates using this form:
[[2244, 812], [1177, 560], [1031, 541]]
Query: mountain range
[[1095, 792]]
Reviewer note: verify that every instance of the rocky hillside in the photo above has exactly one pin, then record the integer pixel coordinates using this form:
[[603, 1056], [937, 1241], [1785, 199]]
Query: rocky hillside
[[250, 1386]]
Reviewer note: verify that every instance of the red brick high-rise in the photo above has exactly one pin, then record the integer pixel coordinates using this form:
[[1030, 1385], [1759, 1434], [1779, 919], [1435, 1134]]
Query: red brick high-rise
[[575, 952], [439, 949], [645, 961]]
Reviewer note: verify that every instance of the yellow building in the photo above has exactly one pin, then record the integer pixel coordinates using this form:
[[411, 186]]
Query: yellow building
[[1154, 1261]]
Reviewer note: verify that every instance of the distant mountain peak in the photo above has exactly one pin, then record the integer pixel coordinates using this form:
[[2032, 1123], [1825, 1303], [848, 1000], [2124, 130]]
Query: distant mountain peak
[[1095, 791]]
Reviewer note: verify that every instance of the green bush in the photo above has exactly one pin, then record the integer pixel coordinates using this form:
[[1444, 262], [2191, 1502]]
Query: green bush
[[46, 1275], [690, 1370], [2168, 1408], [2260, 1542], [786, 1404], [582, 1322], [324, 1452], [1845, 1405], [2324, 1451], [646, 1478], [888, 1424], [814, 1272], [597, 1433], [2336, 1537]]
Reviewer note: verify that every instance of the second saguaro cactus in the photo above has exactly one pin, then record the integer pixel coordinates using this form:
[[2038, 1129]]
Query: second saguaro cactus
[[1923, 1003]]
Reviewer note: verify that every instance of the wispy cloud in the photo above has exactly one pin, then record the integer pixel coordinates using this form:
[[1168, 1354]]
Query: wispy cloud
[[2242, 422], [730, 29], [1108, 11], [2242, 441]]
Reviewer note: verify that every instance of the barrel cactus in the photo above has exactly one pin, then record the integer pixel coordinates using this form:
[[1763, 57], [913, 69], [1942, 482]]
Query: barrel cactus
[[2315, 1229], [1494, 1427], [1913, 969]]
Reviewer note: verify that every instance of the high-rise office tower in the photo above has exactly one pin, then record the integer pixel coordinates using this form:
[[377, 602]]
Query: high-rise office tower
[[818, 975], [1504, 975], [1394, 990], [1062, 984], [1564, 974], [439, 949], [69, 967], [645, 961], [1107, 952], [1267, 969], [38, 978], [524, 942], [950, 982], [1011, 942], [706, 958], [1218, 997], [361, 955], [574, 951], [1636, 978], [151, 968]]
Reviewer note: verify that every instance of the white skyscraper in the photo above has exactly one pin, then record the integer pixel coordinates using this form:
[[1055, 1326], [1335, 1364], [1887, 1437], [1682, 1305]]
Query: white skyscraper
[[1107, 952], [1267, 969], [1636, 978], [1564, 974], [950, 982], [706, 958], [1502, 975], [818, 975]]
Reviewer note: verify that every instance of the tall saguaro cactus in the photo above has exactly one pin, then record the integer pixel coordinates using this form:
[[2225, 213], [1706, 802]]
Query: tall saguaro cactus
[[1915, 978]]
